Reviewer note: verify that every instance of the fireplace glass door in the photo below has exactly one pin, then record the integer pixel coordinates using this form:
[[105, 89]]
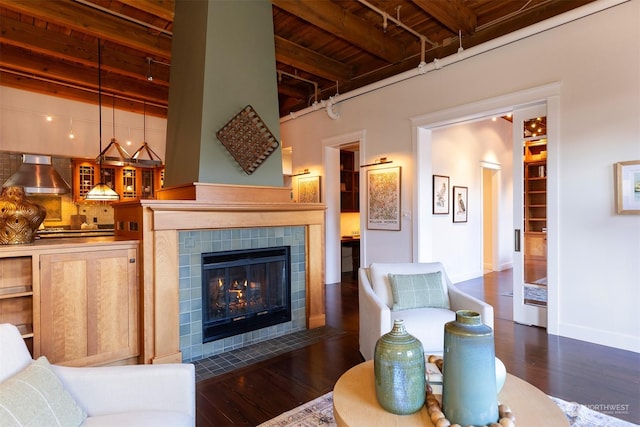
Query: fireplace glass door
[[245, 290]]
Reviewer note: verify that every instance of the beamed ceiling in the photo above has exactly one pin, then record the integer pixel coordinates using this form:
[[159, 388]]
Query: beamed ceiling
[[322, 47]]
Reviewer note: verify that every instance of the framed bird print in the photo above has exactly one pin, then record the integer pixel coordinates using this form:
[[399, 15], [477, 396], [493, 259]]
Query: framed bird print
[[460, 203], [440, 194]]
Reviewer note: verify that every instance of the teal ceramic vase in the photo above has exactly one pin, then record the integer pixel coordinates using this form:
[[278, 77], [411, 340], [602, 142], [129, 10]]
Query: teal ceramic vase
[[399, 369], [469, 393]]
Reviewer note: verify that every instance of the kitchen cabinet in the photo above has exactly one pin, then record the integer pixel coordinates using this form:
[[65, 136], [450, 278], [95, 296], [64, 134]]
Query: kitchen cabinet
[[88, 304], [132, 183], [75, 301]]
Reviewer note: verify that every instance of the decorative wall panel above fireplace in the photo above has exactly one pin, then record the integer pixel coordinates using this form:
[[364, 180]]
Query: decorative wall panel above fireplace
[[247, 139]]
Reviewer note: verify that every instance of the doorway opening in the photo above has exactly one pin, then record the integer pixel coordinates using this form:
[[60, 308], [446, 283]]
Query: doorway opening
[[350, 209], [490, 217], [429, 248], [335, 225]]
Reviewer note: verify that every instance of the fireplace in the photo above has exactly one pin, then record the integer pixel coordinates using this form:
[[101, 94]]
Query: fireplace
[[245, 290], [190, 220]]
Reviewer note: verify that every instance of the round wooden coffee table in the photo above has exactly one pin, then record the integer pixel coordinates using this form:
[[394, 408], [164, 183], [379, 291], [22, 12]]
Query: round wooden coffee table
[[355, 403]]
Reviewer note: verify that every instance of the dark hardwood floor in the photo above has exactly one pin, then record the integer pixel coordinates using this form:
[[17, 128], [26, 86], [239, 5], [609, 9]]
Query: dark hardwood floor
[[603, 378]]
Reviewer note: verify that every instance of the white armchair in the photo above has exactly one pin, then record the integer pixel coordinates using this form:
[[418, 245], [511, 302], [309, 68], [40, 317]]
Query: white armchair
[[425, 323], [134, 395]]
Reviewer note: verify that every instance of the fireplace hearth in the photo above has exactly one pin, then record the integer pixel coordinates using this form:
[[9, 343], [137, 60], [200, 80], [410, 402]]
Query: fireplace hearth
[[245, 290]]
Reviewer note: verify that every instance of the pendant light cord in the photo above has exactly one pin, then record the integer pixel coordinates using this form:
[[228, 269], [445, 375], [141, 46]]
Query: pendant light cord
[[144, 121], [100, 110]]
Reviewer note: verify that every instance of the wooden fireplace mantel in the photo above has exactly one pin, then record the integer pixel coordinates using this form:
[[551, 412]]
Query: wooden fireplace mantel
[[156, 223]]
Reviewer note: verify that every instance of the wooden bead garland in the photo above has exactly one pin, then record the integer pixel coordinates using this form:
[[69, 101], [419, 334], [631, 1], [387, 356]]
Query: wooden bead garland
[[507, 419]]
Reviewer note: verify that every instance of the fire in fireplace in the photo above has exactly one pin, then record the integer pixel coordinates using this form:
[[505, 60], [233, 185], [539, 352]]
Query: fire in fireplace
[[245, 290]]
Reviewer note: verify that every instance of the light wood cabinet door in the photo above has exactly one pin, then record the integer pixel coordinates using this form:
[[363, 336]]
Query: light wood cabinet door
[[89, 307]]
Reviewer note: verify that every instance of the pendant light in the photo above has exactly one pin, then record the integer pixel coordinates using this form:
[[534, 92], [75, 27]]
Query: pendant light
[[101, 192], [114, 154], [144, 156]]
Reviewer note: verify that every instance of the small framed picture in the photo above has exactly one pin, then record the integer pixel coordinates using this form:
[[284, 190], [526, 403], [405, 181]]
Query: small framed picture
[[440, 195], [309, 189], [460, 204], [627, 187]]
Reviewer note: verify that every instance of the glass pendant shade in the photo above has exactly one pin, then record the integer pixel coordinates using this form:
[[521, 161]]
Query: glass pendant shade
[[102, 192]]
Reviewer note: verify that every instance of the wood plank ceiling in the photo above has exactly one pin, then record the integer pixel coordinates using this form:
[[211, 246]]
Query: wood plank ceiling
[[323, 47]]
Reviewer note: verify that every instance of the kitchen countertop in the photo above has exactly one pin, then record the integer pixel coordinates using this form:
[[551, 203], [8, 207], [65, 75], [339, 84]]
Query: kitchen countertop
[[58, 232]]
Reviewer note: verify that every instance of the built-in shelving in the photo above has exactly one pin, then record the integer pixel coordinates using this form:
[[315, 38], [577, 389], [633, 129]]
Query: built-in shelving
[[349, 183], [535, 196], [16, 294]]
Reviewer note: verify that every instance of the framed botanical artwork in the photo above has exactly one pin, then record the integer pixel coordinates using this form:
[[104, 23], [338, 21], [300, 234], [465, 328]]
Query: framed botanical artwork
[[440, 194], [309, 189], [627, 187], [383, 199], [460, 203]]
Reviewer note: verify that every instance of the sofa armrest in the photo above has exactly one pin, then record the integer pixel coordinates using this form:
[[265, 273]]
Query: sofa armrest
[[463, 301], [375, 316], [117, 389]]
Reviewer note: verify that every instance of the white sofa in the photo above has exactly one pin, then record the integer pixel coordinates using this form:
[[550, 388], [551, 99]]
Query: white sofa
[[426, 323], [134, 395]]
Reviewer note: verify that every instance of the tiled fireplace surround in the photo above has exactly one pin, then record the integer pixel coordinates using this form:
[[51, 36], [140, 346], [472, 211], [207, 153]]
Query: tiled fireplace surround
[[188, 220], [193, 243]]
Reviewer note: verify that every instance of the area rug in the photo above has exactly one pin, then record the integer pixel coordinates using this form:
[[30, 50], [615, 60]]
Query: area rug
[[319, 413]]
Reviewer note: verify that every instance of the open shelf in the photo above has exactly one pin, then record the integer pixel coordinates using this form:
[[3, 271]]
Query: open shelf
[[26, 330], [16, 292]]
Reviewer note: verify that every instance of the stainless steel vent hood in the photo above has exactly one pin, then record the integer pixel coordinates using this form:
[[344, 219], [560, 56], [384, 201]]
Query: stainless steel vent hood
[[37, 175]]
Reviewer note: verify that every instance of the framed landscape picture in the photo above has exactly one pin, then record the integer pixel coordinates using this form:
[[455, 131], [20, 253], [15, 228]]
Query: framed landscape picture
[[460, 204], [309, 189], [383, 199], [440, 195]]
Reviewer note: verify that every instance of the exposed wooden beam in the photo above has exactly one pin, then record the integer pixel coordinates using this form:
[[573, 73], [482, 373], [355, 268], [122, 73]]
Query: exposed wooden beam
[[294, 91], [310, 61], [63, 47], [453, 14], [521, 20], [93, 22], [332, 18], [164, 9], [27, 83], [18, 59]]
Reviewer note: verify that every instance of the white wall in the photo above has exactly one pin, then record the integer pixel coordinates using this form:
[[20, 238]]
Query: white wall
[[24, 129], [458, 152], [596, 59]]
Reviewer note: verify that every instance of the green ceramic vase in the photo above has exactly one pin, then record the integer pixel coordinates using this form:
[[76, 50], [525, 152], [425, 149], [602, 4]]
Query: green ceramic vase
[[399, 371], [469, 393]]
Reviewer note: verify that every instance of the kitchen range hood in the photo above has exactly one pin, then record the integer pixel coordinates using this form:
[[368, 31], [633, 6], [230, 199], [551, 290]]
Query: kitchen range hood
[[37, 175]]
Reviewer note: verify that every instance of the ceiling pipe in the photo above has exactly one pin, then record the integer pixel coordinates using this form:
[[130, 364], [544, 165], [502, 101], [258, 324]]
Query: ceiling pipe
[[496, 43], [294, 76], [386, 17], [125, 17]]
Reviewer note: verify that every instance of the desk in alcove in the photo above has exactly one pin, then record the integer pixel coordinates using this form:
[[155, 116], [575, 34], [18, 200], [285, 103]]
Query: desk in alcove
[[354, 244]]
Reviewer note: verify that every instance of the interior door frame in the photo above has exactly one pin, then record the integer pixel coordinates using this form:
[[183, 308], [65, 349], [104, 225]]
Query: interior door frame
[[422, 140], [331, 189]]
